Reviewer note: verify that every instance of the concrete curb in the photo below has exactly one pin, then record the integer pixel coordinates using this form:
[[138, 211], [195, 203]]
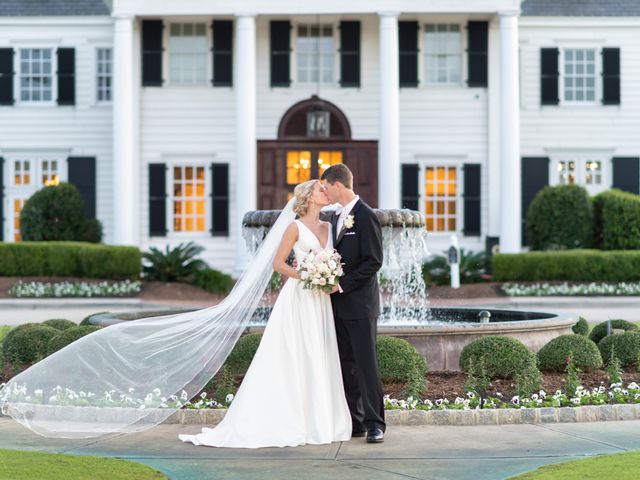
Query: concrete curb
[[504, 416]]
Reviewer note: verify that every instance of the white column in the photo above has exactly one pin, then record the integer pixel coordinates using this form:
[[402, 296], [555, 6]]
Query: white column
[[389, 135], [125, 111], [493, 151], [510, 215], [244, 78]]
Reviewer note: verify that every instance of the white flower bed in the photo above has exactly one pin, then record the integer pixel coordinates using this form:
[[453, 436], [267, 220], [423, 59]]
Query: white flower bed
[[74, 289], [585, 289]]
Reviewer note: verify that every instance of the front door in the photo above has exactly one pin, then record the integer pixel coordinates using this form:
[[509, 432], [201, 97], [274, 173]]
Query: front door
[[282, 165]]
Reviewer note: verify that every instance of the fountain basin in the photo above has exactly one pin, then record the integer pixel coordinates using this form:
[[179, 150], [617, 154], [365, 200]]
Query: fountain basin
[[441, 341]]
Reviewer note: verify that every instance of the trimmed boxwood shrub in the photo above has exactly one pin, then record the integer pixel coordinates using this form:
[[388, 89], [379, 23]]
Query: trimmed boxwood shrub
[[56, 213], [617, 220], [581, 327], [66, 337], [559, 218], [242, 354], [60, 323], [626, 345], [571, 265], [212, 280], [584, 352], [69, 259], [600, 330], [399, 361], [503, 357], [27, 343]]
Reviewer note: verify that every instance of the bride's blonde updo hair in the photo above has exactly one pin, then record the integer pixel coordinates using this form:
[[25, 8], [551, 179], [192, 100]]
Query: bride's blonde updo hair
[[303, 193]]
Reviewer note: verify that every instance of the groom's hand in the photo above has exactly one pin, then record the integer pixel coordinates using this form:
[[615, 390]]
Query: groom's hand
[[336, 288]]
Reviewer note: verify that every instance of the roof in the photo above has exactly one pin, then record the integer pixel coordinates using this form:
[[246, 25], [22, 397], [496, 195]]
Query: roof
[[581, 8], [23, 8]]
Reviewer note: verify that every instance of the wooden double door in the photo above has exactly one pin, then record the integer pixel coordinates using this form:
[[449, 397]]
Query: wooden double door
[[283, 164]]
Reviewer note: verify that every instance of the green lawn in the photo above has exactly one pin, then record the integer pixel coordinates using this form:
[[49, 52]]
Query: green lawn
[[621, 466], [17, 465]]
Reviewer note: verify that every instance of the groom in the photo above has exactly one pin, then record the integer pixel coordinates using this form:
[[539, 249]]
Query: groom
[[356, 302]]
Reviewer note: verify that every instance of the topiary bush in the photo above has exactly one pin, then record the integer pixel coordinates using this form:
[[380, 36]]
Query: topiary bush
[[571, 265], [585, 354], [617, 220], [212, 281], [56, 213], [60, 323], [600, 330], [581, 327], [560, 218], [625, 345], [66, 337], [399, 361], [503, 357], [242, 354], [27, 343]]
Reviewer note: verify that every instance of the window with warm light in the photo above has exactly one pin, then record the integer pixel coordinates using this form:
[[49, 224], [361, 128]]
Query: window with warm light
[[566, 172], [327, 159], [50, 174], [22, 172], [189, 198], [298, 167], [583, 170], [18, 203], [441, 198]]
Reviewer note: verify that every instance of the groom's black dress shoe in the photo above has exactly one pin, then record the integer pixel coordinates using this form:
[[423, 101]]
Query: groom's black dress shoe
[[360, 433], [375, 435]]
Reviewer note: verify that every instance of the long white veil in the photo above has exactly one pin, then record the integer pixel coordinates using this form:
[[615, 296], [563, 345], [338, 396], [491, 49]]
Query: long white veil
[[121, 378]]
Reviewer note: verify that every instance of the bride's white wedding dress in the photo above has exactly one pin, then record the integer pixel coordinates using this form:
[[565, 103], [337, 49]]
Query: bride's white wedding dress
[[292, 393]]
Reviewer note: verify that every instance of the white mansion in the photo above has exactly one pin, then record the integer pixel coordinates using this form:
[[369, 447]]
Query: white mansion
[[173, 118]]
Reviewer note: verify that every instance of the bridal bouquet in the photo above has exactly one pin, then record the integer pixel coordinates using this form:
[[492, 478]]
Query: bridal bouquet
[[320, 269]]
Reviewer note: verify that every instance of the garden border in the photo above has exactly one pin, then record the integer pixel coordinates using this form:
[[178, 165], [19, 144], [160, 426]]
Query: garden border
[[489, 416]]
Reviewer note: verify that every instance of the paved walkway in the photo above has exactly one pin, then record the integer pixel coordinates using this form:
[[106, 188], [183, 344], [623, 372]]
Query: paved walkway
[[425, 453]]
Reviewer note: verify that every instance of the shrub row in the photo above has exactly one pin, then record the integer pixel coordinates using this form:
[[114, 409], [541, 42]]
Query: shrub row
[[69, 259], [617, 220], [572, 265]]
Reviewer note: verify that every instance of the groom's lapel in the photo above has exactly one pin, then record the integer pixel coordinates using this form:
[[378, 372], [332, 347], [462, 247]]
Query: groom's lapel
[[352, 212], [334, 223]]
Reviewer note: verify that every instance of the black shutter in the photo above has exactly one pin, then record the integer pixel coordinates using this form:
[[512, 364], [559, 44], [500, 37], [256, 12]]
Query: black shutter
[[152, 53], [408, 46], [280, 53], [471, 199], [1, 199], [157, 200], [478, 53], [350, 54], [66, 76], [82, 174], [410, 187], [611, 76], [6, 76], [626, 174], [222, 53], [219, 199], [535, 176], [549, 74]]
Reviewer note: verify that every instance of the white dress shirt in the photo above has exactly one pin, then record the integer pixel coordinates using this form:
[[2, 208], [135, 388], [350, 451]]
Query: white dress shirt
[[344, 213]]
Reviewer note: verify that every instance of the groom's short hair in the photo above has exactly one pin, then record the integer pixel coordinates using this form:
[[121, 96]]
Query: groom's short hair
[[339, 173]]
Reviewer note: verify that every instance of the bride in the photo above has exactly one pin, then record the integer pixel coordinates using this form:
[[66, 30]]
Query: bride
[[292, 393]]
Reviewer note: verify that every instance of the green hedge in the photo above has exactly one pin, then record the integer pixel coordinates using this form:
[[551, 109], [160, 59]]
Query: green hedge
[[68, 336], [27, 343], [560, 217], [399, 361], [617, 220], [503, 357], [572, 265], [584, 352], [69, 259], [242, 354], [600, 330], [626, 346]]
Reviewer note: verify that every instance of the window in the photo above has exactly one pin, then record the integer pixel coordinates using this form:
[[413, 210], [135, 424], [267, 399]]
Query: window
[[188, 53], [443, 54], [579, 75], [22, 172], [298, 167], [315, 54], [17, 204], [440, 197], [103, 72], [581, 170], [50, 174], [189, 198], [36, 77]]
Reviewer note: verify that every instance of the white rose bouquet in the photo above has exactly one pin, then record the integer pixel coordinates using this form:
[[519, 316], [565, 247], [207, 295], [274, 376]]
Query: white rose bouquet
[[320, 269]]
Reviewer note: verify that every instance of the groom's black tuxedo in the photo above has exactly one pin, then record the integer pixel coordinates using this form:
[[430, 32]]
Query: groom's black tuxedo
[[356, 312]]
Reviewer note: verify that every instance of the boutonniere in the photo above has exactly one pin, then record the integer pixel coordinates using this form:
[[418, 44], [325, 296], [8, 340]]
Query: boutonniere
[[348, 222]]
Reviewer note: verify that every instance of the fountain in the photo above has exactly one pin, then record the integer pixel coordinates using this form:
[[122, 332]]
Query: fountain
[[438, 333]]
